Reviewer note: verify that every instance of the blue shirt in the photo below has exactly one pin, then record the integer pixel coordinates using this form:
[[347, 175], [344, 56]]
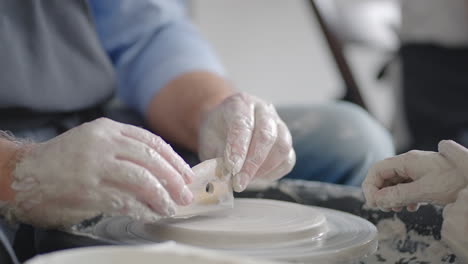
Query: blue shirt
[[150, 43]]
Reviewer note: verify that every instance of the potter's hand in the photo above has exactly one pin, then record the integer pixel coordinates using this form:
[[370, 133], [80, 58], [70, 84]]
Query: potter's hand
[[250, 136], [99, 167], [455, 226], [417, 177]]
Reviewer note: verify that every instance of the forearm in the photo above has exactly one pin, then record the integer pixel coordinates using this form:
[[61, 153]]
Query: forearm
[[176, 111], [8, 153]]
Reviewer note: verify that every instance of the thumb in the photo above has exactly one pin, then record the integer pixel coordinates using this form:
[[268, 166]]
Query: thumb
[[454, 152], [399, 195]]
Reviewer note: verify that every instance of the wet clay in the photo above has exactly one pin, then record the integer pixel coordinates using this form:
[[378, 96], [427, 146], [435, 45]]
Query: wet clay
[[262, 228]]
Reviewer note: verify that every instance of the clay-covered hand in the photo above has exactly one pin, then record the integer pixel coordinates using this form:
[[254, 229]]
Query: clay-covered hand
[[455, 225], [101, 167], [250, 136], [418, 177]]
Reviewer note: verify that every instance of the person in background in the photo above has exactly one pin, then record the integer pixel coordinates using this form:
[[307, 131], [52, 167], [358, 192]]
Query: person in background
[[61, 63], [434, 55]]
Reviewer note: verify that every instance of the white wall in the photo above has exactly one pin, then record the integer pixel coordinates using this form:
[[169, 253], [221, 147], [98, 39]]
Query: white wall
[[272, 48], [275, 48]]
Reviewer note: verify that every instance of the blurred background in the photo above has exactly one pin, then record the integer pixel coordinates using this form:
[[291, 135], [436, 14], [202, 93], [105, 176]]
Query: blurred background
[[279, 50]]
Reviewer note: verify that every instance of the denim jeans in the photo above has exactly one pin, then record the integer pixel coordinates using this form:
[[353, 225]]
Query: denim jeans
[[336, 142]]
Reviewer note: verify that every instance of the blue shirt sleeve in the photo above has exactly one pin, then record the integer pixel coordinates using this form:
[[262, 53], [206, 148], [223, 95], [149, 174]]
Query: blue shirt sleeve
[[150, 43]]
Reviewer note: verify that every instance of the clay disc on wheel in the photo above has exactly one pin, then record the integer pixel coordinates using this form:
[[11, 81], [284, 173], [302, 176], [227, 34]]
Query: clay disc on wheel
[[251, 223], [259, 228]]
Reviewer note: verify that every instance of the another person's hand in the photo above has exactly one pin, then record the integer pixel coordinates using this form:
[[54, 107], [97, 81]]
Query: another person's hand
[[250, 136], [418, 177], [455, 226], [101, 167]]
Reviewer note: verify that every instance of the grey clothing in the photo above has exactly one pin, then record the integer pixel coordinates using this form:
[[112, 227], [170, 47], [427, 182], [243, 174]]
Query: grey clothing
[[51, 59]]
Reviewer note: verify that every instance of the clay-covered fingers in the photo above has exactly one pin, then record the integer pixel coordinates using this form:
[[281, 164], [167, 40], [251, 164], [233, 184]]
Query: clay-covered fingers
[[263, 138], [127, 170], [453, 151], [129, 179], [79, 205], [381, 175], [456, 154], [251, 136], [239, 117], [282, 157], [396, 170], [410, 179], [400, 195], [161, 147], [112, 200], [432, 188], [455, 227], [154, 162]]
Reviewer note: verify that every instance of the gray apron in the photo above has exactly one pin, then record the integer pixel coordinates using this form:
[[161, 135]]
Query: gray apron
[[51, 61], [54, 74]]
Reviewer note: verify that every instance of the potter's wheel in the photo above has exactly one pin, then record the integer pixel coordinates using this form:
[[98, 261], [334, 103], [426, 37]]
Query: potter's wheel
[[258, 227]]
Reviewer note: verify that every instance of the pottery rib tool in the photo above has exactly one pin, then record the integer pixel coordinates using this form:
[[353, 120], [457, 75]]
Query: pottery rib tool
[[211, 189]]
